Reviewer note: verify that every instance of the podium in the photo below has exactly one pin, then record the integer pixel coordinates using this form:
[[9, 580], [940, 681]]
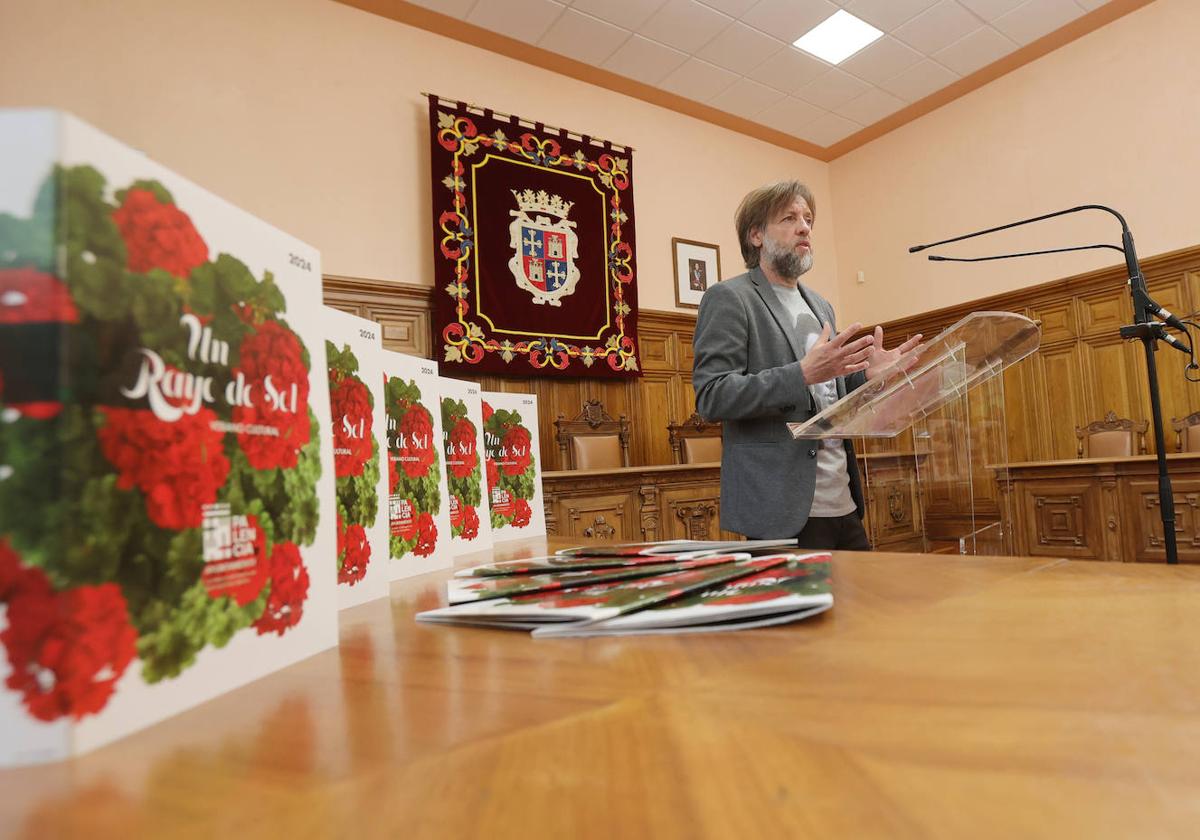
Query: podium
[[923, 432]]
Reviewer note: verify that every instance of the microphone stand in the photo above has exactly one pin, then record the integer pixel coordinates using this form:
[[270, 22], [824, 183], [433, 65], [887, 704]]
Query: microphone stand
[[1144, 329]]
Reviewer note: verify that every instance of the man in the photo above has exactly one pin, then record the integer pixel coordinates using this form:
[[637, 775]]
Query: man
[[766, 353]]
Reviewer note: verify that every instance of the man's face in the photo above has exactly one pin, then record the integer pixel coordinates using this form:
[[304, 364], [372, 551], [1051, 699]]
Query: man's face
[[786, 244]]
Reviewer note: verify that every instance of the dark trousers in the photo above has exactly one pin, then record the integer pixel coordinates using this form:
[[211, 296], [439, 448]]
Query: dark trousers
[[844, 533]]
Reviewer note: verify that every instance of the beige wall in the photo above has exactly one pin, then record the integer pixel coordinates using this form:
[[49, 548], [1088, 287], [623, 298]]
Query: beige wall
[[308, 114], [1112, 118]]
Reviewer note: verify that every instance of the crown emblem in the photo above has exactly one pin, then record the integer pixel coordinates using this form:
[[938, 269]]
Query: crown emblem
[[542, 202]]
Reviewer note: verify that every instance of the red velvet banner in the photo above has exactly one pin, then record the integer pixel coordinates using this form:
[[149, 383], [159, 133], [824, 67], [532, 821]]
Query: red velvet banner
[[534, 267]]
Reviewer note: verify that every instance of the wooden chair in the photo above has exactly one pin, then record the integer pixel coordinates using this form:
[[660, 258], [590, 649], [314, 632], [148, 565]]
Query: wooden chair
[[695, 441], [592, 440], [1112, 437], [1187, 433]]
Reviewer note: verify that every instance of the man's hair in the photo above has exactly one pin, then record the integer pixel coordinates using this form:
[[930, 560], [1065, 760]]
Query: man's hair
[[758, 208]]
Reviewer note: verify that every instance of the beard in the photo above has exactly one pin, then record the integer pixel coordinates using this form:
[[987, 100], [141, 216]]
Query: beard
[[786, 262]]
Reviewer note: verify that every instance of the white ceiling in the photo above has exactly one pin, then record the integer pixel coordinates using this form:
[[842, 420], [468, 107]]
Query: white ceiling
[[736, 55]]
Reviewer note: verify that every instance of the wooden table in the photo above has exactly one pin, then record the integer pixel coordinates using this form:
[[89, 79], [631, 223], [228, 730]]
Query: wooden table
[[631, 504], [957, 697]]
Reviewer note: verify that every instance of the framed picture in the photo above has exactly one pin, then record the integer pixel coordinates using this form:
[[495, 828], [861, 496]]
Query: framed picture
[[697, 266]]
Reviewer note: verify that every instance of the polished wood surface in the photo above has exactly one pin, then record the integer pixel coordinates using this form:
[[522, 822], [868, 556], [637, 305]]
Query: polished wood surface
[[941, 697], [1100, 508]]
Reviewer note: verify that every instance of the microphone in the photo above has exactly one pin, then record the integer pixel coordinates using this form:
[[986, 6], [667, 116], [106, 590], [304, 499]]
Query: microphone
[[1137, 282], [1172, 320], [1124, 227], [1161, 334], [938, 258]]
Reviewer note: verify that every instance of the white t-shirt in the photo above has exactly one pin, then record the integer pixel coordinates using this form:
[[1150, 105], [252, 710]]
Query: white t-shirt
[[832, 495]]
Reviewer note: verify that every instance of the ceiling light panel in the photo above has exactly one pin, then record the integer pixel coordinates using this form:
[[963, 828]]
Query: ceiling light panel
[[838, 37]]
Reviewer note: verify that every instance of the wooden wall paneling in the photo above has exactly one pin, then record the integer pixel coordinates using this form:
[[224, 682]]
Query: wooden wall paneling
[[987, 444], [682, 397], [1191, 283], [659, 350], [1114, 374], [684, 348], [945, 475], [1058, 320], [1024, 413], [1104, 313], [652, 401], [1178, 395], [1061, 402], [551, 395], [401, 310]]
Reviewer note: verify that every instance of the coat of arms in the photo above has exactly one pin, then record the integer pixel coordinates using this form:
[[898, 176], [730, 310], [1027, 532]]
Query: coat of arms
[[545, 246]]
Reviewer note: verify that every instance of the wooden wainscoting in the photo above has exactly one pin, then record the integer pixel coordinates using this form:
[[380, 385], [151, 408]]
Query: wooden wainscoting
[[1102, 508], [680, 501], [662, 394]]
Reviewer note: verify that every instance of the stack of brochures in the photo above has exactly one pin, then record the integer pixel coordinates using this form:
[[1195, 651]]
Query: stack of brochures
[[665, 587]]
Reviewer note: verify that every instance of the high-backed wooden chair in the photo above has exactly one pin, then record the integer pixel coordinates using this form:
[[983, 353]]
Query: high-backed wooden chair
[[695, 441], [593, 440], [1187, 433], [1112, 437]]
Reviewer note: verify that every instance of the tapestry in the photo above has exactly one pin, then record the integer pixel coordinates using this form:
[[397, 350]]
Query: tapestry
[[533, 228]]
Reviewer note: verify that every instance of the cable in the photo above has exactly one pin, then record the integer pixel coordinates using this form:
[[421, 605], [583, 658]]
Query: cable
[[1191, 366]]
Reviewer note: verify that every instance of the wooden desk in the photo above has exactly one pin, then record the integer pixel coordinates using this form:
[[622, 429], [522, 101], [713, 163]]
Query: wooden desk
[[1100, 508], [668, 502], [895, 519], [941, 697]]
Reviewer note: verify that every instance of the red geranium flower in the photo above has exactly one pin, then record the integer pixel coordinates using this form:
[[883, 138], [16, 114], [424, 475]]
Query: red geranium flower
[[179, 466], [426, 535], [15, 578], [522, 513], [355, 553], [289, 589], [66, 649], [416, 441], [462, 443], [274, 351], [158, 235], [487, 412], [470, 524], [516, 445], [37, 410], [493, 474], [351, 406], [31, 296], [393, 474]]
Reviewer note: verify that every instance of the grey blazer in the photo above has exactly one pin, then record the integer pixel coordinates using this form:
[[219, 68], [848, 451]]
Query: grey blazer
[[747, 375]]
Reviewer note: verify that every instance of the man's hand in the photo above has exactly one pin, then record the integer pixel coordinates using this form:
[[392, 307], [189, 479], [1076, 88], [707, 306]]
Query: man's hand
[[833, 357], [879, 360]]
